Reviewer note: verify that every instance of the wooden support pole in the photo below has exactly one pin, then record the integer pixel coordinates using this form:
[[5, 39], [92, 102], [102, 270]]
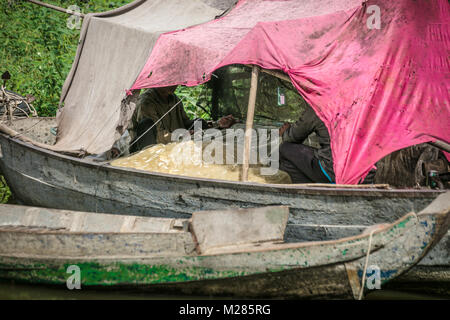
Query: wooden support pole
[[51, 6], [438, 143], [249, 122], [276, 73], [444, 146]]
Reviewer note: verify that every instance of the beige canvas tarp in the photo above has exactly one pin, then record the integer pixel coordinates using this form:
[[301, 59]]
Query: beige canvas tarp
[[113, 48]]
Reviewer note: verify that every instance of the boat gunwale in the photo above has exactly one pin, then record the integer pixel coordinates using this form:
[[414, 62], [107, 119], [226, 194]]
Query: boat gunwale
[[274, 246], [291, 188]]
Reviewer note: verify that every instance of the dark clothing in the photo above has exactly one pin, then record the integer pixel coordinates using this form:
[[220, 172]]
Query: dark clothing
[[300, 163], [308, 123], [148, 136], [152, 106]]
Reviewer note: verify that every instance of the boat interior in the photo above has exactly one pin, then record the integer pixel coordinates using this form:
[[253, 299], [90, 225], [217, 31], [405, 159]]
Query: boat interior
[[212, 232], [406, 168]]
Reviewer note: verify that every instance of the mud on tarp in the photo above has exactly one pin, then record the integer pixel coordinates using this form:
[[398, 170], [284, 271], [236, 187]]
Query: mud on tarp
[[378, 87]]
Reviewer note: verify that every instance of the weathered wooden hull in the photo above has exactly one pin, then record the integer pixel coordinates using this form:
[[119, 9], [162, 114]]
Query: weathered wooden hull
[[39, 246], [43, 178], [431, 275], [303, 283]]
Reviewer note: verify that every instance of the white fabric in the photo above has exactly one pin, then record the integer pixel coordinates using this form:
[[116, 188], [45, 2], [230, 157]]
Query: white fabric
[[114, 47]]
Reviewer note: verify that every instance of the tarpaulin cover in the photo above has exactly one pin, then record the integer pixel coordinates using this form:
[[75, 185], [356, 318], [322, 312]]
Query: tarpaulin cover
[[378, 89], [114, 47]]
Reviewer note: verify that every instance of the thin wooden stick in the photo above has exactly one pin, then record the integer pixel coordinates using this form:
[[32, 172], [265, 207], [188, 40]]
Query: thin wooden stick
[[15, 134], [249, 123], [6, 100], [51, 6], [276, 73], [343, 186], [440, 145], [10, 111]]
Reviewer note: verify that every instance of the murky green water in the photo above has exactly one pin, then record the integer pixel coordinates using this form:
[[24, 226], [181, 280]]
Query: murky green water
[[14, 291]]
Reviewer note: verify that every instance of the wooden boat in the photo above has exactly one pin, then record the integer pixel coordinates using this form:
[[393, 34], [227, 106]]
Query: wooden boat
[[44, 178], [231, 252], [40, 177]]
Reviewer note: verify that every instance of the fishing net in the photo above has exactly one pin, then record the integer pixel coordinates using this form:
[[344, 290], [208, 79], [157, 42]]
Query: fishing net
[[186, 159], [228, 92]]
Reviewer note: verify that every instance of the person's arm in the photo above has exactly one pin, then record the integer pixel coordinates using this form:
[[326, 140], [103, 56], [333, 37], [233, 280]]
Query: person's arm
[[186, 121], [300, 130], [121, 146]]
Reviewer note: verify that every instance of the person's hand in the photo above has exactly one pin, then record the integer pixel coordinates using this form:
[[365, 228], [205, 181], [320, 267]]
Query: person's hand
[[284, 127], [115, 153], [226, 122]]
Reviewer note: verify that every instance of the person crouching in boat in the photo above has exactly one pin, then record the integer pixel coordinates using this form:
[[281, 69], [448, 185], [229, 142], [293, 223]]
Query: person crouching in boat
[[162, 107], [152, 106], [306, 164]]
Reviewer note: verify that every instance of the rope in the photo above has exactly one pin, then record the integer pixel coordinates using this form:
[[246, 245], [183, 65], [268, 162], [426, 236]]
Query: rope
[[365, 266], [28, 129], [138, 138], [51, 6], [361, 290]]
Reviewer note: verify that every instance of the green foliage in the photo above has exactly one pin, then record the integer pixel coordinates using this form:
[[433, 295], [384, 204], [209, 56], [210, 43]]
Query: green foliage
[[38, 48], [233, 96], [196, 101], [5, 192]]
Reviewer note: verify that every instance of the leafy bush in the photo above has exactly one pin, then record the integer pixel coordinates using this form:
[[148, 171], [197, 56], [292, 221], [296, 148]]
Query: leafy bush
[[196, 101], [5, 192], [38, 48]]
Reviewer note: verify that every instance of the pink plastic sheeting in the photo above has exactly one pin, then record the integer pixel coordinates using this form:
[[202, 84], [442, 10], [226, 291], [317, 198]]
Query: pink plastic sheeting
[[377, 90]]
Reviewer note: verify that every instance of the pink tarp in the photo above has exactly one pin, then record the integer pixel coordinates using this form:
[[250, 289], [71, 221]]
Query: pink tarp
[[377, 90]]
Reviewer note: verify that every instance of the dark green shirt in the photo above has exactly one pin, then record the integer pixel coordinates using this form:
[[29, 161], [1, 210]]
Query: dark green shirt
[[151, 105], [308, 123]]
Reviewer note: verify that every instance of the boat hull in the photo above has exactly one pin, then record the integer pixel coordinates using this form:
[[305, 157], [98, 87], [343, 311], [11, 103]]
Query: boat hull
[[322, 282], [43, 178], [162, 255], [47, 179]]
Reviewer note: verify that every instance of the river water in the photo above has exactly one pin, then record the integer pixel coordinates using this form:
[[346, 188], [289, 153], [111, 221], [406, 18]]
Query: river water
[[14, 291]]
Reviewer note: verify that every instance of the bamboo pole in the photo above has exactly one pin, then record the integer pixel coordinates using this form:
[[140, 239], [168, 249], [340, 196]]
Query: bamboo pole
[[444, 146], [249, 122], [51, 6], [276, 73], [342, 186]]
